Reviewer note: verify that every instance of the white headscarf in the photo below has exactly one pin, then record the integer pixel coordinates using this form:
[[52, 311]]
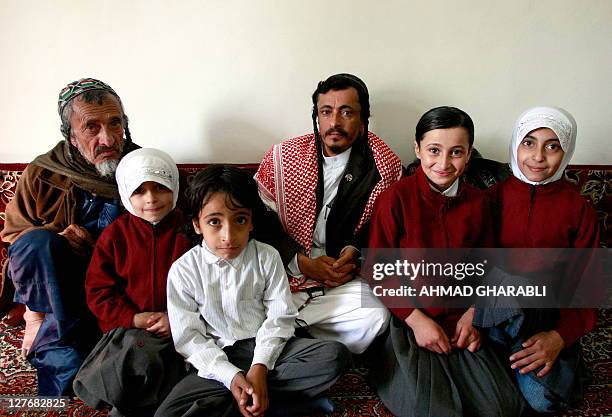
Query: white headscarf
[[553, 118], [142, 165]]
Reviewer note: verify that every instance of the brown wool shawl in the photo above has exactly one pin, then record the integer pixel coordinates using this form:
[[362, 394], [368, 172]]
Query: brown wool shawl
[[66, 160]]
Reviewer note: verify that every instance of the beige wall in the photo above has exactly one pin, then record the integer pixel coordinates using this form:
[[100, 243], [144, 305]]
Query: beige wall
[[213, 81]]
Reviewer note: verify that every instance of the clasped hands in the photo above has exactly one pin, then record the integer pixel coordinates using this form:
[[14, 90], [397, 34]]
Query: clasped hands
[[251, 391], [153, 322], [329, 271]]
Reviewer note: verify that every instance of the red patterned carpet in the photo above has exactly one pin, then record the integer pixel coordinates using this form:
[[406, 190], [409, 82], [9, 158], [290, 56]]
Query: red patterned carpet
[[351, 394]]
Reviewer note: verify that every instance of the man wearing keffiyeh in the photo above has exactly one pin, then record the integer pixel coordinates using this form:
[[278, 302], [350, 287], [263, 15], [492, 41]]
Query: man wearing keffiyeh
[[63, 201], [323, 186]]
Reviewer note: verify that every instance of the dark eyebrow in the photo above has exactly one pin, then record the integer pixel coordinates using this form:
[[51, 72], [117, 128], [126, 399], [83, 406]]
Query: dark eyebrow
[[235, 212], [342, 107], [545, 140], [439, 145], [213, 214]]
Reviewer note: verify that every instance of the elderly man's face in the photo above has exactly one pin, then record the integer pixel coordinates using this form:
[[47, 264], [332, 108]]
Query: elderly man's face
[[339, 116], [97, 132]]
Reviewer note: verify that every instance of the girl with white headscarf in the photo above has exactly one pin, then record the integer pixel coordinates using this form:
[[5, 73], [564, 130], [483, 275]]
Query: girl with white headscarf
[[134, 365], [536, 208], [555, 124]]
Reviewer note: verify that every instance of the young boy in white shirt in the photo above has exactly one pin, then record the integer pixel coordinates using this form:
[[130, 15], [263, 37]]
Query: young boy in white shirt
[[232, 315]]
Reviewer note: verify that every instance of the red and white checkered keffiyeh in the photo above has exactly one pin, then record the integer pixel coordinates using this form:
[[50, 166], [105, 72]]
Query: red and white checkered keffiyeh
[[288, 177]]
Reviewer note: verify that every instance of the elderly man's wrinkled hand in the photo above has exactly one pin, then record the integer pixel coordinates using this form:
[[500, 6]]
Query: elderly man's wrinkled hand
[[78, 238]]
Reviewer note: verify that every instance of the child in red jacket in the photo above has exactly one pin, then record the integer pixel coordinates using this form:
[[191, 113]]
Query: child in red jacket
[[432, 362], [134, 365], [536, 208]]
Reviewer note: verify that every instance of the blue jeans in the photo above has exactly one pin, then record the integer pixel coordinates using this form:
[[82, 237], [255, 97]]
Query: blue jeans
[[564, 384], [49, 277]]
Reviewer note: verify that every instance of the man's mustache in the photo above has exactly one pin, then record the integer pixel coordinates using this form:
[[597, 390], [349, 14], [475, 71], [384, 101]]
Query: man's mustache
[[101, 149], [338, 130]]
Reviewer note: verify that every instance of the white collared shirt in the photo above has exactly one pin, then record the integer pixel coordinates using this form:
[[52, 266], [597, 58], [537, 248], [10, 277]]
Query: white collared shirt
[[212, 303], [333, 168], [450, 191]]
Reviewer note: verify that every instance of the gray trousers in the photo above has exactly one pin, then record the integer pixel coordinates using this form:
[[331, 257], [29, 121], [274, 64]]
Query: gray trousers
[[130, 369], [305, 368], [414, 382]]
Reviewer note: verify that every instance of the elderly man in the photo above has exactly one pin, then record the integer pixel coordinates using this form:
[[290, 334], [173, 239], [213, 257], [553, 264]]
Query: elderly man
[[63, 201], [323, 186]]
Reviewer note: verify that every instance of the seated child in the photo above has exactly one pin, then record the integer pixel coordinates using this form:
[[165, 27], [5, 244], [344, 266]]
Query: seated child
[[433, 361], [135, 365], [232, 314], [536, 208]]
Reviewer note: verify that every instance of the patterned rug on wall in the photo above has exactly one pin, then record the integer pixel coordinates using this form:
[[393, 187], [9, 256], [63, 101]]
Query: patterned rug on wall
[[353, 397]]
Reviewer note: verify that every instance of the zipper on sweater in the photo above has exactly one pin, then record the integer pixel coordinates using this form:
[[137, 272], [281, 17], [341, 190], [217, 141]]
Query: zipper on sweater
[[153, 269], [532, 193], [443, 209]]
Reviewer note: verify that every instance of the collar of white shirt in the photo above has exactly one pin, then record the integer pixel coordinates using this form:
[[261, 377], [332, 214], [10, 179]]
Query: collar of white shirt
[[339, 160], [210, 258], [450, 191]]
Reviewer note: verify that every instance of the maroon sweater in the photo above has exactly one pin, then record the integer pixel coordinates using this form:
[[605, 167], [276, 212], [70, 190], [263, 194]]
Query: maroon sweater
[[553, 215], [409, 214], [129, 268]]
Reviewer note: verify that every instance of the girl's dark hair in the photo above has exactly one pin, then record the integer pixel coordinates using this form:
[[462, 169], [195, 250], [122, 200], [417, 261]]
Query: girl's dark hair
[[444, 117], [240, 192]]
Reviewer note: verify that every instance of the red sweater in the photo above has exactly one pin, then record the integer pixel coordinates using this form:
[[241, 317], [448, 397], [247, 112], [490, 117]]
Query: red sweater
[[553, 215], [409, 214], [129, 268]]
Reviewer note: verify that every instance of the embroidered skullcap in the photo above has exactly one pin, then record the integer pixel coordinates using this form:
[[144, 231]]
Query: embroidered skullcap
[[142, 165], [78, 87], [553, 118]]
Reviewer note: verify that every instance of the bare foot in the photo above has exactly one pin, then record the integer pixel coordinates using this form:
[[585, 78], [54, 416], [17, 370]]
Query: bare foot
[[33, 320], [14, 315]]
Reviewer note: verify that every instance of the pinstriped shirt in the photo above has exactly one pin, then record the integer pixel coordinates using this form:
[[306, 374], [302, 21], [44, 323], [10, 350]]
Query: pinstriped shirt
[[213, 302]]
